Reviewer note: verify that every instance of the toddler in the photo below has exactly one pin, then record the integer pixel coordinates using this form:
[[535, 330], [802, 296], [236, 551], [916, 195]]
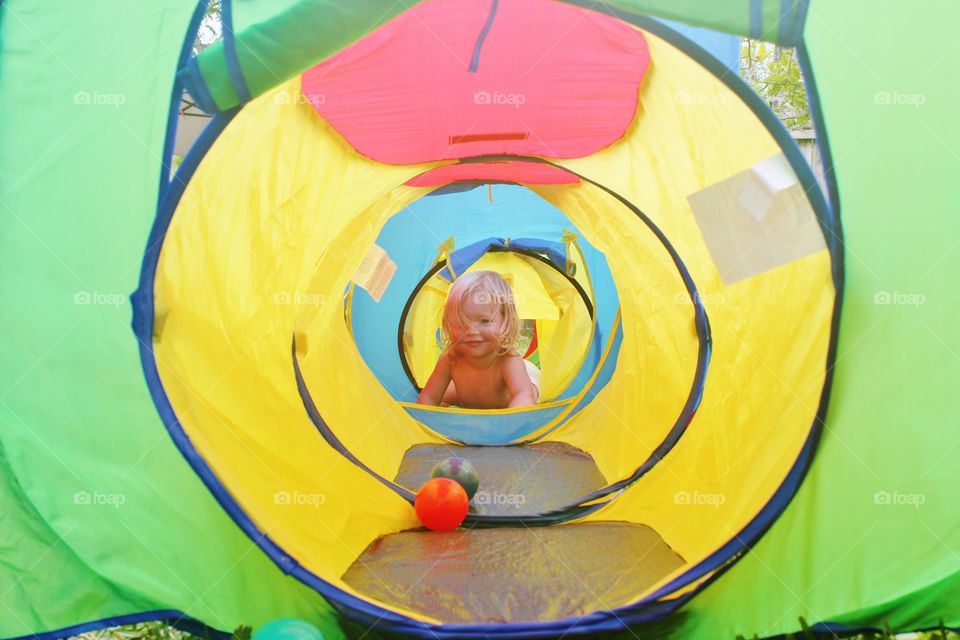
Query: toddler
[[479, 368]]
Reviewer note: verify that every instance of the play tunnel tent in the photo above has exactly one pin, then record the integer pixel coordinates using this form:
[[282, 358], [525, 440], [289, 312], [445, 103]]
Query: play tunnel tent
[[625, 392], [675, 262]]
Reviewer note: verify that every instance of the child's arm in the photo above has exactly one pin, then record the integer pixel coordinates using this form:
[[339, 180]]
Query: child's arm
[[437, 385], [518, 382]]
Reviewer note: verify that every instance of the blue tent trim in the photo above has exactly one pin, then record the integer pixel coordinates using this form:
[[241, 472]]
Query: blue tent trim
[[190, 79], [475, 60], [479, 430], [176, 94]]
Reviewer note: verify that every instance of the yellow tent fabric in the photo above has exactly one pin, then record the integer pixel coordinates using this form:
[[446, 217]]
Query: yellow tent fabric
[[244, 269]]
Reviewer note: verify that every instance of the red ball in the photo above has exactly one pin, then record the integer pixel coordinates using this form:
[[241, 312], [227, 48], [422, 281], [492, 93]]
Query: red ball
[[441, 504]]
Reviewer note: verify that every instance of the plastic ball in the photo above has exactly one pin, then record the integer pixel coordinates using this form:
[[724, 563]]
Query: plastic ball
[[441, 504], [288, 629], [459, 470]]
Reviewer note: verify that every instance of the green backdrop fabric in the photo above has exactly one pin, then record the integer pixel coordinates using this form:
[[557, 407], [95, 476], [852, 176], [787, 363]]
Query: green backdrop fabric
[[100, 516], [275, 46], [874, 532]]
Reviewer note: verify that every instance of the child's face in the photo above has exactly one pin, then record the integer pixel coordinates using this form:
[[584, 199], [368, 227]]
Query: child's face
[[480, 337]]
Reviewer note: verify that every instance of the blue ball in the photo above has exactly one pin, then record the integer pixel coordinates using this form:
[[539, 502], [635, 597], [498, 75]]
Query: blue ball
[[288, 629]]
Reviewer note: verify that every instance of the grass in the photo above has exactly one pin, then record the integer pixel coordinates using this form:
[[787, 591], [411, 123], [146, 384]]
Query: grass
[[155, 630], [163, 631], [886, 634]]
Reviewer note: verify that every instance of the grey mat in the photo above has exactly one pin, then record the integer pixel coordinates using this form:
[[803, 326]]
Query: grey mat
[[513, 480], [513, 574]]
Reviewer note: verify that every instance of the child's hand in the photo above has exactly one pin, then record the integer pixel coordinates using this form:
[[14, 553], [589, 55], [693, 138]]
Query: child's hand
[[522, 393]]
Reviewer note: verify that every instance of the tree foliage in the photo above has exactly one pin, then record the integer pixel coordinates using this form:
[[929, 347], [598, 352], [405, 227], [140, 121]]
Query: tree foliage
[[774, 73], [210, 27]]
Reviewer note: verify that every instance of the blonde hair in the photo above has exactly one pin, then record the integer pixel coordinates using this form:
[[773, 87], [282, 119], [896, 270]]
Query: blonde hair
[[486, 286]]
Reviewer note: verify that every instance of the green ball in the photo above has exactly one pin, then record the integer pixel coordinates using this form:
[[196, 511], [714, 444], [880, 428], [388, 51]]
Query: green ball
[[460, 470], [288, 629]]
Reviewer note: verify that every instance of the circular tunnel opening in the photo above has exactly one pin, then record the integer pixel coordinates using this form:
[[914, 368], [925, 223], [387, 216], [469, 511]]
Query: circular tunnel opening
[[565, 482], [236, 272], [564, 287]]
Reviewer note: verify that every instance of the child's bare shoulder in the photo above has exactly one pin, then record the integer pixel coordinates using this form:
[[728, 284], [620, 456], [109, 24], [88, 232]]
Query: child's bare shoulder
[[511, 361], [451, 362], [444, 362]]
